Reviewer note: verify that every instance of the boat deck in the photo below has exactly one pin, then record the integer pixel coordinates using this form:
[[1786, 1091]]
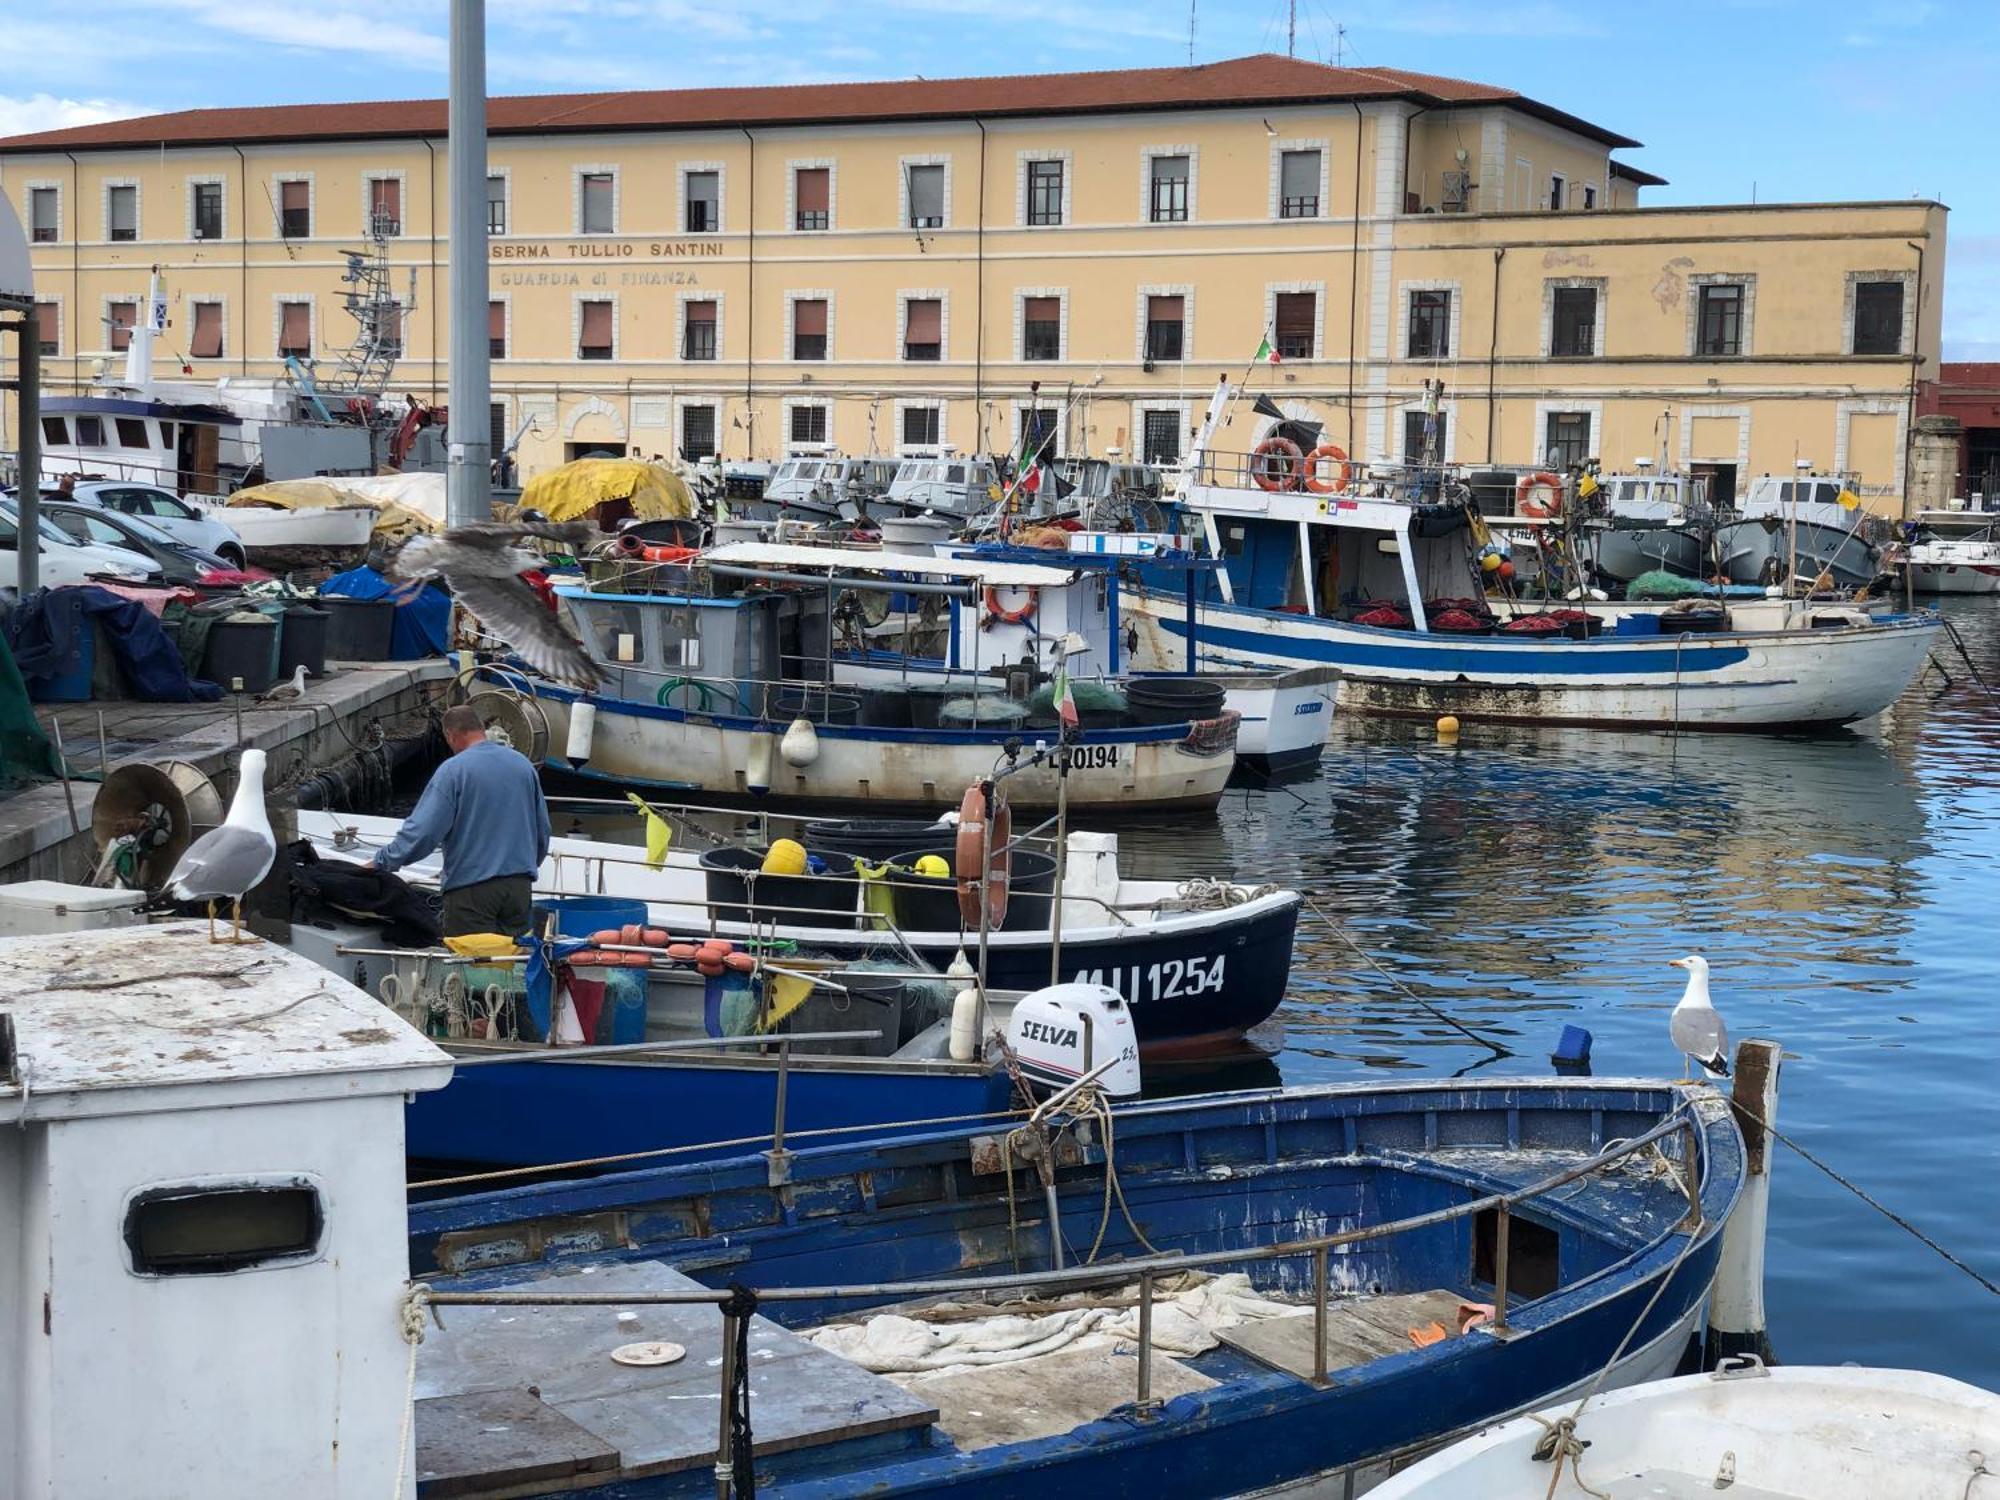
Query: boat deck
[[528, 1396]]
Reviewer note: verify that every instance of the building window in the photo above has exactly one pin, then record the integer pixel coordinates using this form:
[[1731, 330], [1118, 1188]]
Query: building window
[[385, 207], [294, 329], [1430, 325], [1423, 437], [703, 192], [1045, 192], [809, 328], [812, 198], [496, 205], [923, 328], [1589, 196], [118, 319], [1878, 317], [597, 207], [926, 188], [496, 428], [922, 426], [121, 205], [1166, 326], [1161, 443], [1719, 320], [45, 215], [1573, 322], [697, 433], [1040, 427], [205, 341], [48, 328], [295, 210], [1298, 185], [1167, 202], [1041, 328], [208, 210], [808, 425], [1556, 186], [595, 335], [698, 333], [1295, 315], [496, 330], [1567, 442]]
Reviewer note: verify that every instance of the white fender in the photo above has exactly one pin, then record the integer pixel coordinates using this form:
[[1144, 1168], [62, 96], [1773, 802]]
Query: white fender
[[757, 770], [801, 744], [582, 732]]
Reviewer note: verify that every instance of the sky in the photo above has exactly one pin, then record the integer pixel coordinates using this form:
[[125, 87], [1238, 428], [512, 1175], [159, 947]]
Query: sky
[[1780, 100]]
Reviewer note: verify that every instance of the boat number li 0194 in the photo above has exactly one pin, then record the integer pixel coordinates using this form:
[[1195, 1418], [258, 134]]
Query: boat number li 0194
[[1093, 757], [1174, 979]]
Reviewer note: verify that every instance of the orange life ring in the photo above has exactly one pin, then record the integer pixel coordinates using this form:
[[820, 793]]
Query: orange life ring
[[1324, 451], [971, 846], [1012, 616], [1529, 484], [632, 546], [1281, 475]]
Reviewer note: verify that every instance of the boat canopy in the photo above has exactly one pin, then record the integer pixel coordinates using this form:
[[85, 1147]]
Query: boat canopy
[[654, 492], [993, 574]]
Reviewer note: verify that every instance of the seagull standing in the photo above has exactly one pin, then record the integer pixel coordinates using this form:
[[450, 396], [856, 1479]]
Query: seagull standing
[[226, 862], [286, 692], [1697, 1030], [483, 569]]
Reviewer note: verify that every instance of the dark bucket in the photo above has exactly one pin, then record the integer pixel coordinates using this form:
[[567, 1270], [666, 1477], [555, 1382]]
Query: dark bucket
[[1172, 700], [929, 903], [788, 900], [242, 651], [873, 1002], [304, 641], [360, 629], [885, 707], [877, 839], [818, 705]]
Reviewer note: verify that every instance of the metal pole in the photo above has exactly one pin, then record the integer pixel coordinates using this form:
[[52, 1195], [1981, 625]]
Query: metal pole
[[778, 1170], [28, 560], [469, 394], [1319, 1316], [1502, 1233], [725, 1461], [1062, 857]]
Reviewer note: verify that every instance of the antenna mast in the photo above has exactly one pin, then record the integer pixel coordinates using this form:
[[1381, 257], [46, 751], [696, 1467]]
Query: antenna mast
[[1291, 28], [1191, 6]]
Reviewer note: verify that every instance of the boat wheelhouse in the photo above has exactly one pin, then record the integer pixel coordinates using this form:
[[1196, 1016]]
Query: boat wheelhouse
[[1802, 528]]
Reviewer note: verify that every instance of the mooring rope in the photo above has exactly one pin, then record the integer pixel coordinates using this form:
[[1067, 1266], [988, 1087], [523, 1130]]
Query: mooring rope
[[1411, 995]]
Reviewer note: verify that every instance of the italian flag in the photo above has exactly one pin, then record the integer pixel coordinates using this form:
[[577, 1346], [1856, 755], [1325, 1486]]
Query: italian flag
[[1065, 700], [1266, 354]]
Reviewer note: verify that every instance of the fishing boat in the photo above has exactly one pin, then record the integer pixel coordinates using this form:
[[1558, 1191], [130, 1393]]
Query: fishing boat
[[1807, 528], [718, 681], [1651, 523], [1199, 961], [1391, 592], [1950, 565], [1395, 1265], [1801, 1432]]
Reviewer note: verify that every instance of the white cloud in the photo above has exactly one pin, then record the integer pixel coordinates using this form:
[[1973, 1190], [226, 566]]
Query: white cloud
[[369, 30], [38, 112]]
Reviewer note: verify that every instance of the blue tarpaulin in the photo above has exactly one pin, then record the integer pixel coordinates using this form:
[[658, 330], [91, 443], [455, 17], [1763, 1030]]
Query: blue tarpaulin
[[47, 631], [423, 624]]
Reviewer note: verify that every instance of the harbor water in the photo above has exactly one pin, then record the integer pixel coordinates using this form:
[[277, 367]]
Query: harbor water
[[1842, 886]]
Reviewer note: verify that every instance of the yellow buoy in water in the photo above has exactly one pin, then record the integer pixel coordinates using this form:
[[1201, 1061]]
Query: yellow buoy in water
[[1447, 727], [785, 857]]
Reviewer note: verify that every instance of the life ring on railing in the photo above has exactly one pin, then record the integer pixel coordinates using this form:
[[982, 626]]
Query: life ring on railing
[[1326, 451], [644, 551], [971, 847], [1012, 616], [1282, 474], [1528, 492]]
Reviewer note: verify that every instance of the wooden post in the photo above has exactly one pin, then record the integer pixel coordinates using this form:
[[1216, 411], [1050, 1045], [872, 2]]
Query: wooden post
[[1736, 1321]]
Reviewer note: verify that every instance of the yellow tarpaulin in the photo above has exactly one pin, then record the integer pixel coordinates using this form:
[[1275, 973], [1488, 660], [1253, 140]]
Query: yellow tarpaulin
[[654, 492], [394, 520]]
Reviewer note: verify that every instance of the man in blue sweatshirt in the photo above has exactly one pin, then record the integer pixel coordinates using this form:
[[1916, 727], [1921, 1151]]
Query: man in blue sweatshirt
[[485, 807]]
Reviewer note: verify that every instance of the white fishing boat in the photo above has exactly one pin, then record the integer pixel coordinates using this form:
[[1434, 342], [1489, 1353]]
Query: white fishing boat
[[1392, 594], [270, 528], [1940, 565], [1801, 1432], [1804, 528]]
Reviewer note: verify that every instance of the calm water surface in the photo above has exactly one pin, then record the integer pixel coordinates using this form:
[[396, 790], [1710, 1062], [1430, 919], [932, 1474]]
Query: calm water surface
[[1845, 889]]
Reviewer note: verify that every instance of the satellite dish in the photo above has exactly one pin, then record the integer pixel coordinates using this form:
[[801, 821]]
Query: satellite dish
[[160, 809]]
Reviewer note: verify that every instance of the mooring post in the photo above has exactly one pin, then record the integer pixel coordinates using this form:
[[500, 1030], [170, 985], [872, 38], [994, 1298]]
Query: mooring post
[[1736, 1323]]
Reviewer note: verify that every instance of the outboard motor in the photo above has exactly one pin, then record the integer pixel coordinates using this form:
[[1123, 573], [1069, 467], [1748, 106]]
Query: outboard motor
[[1062, 1032]]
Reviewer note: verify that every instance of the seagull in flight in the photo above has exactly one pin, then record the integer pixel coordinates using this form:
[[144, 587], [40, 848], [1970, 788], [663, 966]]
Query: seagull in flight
[[1697, 1030], [227, 861], [482, 566]]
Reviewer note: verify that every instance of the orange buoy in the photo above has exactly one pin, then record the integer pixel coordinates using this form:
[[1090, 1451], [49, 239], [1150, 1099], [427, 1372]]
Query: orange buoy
[[969, 848], [632, 934], [657, 937], [681, 952], [606, 936], [742, 963]]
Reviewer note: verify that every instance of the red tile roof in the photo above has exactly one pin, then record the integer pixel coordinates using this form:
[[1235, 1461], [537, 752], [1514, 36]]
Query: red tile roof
[[1266, 80]]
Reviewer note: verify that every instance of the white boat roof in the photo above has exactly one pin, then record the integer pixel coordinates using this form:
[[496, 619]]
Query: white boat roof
[[105, 1021], [856, 560]]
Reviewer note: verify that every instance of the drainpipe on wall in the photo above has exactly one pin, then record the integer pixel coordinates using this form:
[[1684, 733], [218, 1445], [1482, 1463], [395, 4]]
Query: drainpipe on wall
[[1354, 281], [75, 274], [1493, 358], [1916, 365], [242, 260], [979, 300], [750, 309]]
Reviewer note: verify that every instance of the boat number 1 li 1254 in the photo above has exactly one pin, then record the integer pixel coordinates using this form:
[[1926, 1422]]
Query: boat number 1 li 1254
[[1171, 980]]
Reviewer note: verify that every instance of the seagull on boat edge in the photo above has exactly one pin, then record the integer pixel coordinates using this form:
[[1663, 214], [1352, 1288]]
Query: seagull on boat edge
[[482, 566], [229, 860], [1696, 1028]]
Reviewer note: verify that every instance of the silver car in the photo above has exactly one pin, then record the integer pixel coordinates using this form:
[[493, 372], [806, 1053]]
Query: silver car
[[178, 518]]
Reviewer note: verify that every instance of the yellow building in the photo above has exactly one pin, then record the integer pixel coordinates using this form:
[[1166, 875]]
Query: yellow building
[[904, 267]]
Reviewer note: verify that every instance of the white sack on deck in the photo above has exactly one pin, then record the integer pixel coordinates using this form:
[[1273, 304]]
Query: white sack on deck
[[949, 1337]]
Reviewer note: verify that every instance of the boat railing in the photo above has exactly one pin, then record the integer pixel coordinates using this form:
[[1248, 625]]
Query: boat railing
[[1057, 1278], [1349, 477]]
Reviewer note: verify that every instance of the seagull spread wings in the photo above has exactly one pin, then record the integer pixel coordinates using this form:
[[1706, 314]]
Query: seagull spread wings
[[482, 566]]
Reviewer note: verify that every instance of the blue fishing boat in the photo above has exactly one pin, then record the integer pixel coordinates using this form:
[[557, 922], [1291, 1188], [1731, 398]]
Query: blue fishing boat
[[1384, 1268]]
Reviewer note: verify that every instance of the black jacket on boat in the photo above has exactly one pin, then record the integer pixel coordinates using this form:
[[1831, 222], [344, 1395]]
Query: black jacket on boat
[[362, 893]]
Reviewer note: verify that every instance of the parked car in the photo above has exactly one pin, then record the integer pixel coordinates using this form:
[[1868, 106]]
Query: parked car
[[66, 561], [166, 510], [179, 561]]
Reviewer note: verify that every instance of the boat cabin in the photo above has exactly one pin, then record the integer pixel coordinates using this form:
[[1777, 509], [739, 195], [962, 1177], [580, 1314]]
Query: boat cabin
[[193, 450], [955, 486], [201, 1170], [1815, 498], [827, 483], [1669, 499]]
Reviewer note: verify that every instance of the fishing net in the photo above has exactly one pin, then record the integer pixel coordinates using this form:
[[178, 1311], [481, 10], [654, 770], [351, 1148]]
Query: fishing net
[[1659, 585], [25, 752]]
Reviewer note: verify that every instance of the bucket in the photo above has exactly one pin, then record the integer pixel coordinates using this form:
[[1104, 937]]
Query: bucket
[[819, 705], [580, 916], [242, 654], [885, 708], [72, 683], [929, 903], [873, 1002], [788, 900], [358, 629], [1172, 700], [877, 839], [303, 643]]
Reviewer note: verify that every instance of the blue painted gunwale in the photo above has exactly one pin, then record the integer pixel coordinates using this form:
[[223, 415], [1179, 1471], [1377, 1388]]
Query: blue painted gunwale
[[1258, 1426], [119, 406]]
